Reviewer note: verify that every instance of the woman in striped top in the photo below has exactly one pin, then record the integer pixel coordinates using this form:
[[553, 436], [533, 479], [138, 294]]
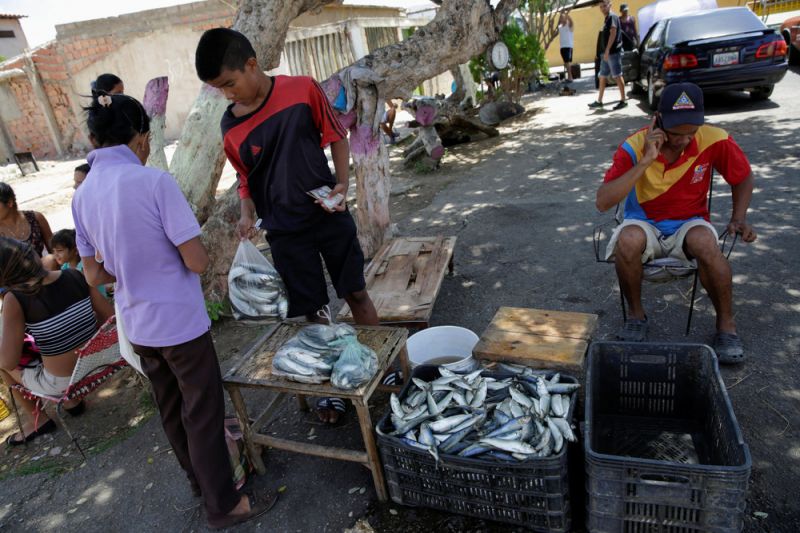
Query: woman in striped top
[[60, 310]]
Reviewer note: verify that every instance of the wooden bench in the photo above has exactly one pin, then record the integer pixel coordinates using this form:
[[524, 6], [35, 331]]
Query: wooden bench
[[404, 278]]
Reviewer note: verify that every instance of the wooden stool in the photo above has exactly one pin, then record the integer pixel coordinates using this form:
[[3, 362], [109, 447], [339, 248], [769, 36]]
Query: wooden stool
[[404, 278], [538, 338], [254, 370]]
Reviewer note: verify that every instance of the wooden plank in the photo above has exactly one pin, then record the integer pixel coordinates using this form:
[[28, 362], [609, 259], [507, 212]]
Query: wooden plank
[[540, 351], [253, 451], [373, 459], [544, 322], [342, 454], [405, 277]]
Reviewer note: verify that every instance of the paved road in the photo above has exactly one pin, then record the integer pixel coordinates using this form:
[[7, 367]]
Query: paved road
[[523, 208]]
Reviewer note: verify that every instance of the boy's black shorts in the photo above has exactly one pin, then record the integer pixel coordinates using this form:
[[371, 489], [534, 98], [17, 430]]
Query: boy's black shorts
[[297, 259], [566, 55]]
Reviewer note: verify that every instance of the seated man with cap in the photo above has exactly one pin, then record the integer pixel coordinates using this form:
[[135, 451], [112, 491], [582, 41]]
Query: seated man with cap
[[663, 173]]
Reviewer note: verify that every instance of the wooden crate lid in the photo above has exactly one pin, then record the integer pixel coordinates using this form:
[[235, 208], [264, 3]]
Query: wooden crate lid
[[537, 337]]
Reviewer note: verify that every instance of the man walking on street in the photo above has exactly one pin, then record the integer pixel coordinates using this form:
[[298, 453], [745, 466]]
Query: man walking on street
[[611, 60]]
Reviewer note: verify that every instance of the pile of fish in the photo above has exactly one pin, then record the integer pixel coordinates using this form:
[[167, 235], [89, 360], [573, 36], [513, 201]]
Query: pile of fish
[[256, 292], [321, 352], [512, 415]]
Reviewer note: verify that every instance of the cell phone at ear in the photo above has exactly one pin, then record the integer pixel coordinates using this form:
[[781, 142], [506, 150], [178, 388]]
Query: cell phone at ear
[[659, 125]]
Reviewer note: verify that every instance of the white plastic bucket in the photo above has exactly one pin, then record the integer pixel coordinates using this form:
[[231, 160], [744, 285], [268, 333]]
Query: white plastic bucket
[[443, 341]]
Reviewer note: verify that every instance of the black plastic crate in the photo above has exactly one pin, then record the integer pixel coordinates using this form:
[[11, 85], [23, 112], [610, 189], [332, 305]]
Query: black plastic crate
[[533, 493], [664, 452]]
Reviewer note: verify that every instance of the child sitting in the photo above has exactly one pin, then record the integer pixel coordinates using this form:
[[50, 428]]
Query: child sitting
[[65, 252]]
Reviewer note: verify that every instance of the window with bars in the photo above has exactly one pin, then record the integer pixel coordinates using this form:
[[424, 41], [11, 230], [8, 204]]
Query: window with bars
[[319, 57], [7, 34]]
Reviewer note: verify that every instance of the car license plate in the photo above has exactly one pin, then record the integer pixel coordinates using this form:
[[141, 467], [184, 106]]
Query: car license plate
[[727, 58]]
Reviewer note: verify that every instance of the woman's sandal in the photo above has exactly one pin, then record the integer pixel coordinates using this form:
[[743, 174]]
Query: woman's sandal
[[336, 405], [47, 427]]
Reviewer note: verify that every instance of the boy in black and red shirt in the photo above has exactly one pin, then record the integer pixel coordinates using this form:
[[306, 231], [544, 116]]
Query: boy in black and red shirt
[[274, 133]]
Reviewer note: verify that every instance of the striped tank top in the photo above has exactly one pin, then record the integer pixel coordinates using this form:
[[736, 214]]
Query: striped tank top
[[59, 316]]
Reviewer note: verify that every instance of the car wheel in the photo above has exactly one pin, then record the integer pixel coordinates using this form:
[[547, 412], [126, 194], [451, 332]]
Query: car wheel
[[652, 99], [762, 93]]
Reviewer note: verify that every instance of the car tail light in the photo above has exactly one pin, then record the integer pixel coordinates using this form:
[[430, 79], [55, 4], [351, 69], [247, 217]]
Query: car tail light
[[674, 61], [773, 49]]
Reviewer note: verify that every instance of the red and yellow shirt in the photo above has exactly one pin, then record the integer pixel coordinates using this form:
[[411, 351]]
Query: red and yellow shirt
[[667, 195]]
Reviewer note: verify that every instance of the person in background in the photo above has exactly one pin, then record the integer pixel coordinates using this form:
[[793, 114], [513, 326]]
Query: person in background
[[387, 121], [25, 226], [628, 26], [149, 241], [80, 174], [611, 60], [566, 40], [60, 311], [109, 84]]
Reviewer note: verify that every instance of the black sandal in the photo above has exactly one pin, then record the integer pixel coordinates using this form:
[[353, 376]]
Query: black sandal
[[47, 427], [332, 404]]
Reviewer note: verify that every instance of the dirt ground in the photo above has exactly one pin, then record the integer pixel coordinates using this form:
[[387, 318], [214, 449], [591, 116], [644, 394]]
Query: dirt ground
[[522, 206]]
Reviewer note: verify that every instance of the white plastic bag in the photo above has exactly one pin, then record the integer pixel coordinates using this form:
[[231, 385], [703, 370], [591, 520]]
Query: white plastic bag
[[255, 288], [356, 364], [125, 347]]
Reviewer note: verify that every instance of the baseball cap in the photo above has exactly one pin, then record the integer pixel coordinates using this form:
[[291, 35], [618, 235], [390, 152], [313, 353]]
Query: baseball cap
[[681, 103]]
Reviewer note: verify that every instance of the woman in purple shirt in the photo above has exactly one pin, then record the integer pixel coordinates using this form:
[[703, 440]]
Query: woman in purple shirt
[[134, 227]]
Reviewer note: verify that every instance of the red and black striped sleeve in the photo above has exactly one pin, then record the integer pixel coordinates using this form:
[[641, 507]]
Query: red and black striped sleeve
[[324, 117]]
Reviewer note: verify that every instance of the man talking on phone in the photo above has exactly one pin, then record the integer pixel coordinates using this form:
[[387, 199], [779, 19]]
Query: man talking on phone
[[663, 173]]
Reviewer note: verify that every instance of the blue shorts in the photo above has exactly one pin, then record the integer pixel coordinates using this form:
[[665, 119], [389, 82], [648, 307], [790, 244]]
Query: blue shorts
[[611, 68]]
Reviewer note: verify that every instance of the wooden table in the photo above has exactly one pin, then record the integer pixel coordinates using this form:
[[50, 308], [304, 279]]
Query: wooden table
[[404, 278], [254, 370], [538, 338]]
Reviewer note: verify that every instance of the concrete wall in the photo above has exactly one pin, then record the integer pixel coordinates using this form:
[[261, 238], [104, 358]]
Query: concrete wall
[[588, 21], [10, 47]]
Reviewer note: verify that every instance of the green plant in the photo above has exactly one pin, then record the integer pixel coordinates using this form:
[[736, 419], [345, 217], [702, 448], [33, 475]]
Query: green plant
[[214, 310]]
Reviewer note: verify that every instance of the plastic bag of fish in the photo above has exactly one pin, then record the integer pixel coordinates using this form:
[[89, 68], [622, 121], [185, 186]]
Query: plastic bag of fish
[[309, 356], [255, 289], [516, 414], [356, 364]]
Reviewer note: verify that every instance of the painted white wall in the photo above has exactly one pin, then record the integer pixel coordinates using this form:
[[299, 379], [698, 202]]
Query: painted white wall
[[10, 47], [142, 59]]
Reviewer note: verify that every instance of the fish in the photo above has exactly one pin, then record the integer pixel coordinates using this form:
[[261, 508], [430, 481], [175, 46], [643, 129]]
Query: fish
[[422, 385], [410, 435], [459, 399], [562, 388], [511, 425], [516, 409], [553, 380], [397, 409], [564, 428], [473, 450], [556, 406], [543, 440], [454, 438], [520, 398], [513, 446], [472, 376], [565, 402], [447, 373], [495, 386], [503, 456], [469, 423], [447, 424], [425, 435], [307, 358], [419, 411], [544, 397], [480, 395], [410, 424], [558, 438], [292, 367]]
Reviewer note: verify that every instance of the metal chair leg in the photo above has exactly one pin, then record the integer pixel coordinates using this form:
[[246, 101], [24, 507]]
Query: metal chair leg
[[16, 413], [622, 303], [691, 303], [65, 427]]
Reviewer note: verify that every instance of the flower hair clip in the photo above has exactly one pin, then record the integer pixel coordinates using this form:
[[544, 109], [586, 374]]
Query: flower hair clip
[[104, 100]]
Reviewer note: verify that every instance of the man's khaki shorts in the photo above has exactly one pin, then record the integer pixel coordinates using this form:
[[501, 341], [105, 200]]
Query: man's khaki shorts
[[658, 245]]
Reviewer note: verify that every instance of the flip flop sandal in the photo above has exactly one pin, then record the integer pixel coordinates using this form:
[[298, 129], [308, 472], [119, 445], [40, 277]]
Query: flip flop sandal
[[47, 427], [394, 377], [259, 504], [729, 348], [633, 330], [332, 404]]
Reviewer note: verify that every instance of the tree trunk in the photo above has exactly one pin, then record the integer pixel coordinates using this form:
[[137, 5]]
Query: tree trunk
[[460, 30]]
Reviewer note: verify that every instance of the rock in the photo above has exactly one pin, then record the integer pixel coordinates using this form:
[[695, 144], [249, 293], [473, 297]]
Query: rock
[[361, 526], [56, 450]]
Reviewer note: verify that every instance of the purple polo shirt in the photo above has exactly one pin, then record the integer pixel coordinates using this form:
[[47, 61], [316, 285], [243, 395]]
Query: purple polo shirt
[[136, 216]]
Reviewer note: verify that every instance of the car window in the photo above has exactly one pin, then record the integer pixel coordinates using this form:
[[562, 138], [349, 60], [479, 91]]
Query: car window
[[713, 24], [654, 40]]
